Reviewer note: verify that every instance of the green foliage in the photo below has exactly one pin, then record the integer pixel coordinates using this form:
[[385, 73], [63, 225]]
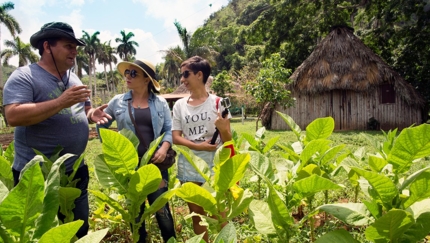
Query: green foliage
[[118, 168], [270, 86], [28, 211], [390, 210], [222, 84], [220, 194]]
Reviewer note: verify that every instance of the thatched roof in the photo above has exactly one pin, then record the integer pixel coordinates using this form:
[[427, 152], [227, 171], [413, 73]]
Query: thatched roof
[[342, 61], [182, 90]]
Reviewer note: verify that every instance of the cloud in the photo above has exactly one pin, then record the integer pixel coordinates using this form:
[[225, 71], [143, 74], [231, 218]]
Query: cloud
[[31, 15]]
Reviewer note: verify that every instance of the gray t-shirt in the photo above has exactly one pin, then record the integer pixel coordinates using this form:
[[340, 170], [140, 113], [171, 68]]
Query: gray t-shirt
[[68, 128]]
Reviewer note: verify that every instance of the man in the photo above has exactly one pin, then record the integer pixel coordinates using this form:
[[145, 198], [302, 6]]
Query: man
[[50, 107]]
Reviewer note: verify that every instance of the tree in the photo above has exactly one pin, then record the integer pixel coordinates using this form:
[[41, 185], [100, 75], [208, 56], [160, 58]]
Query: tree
[[172, 64], [185, 38], [11, 24], [20, 49], [126, 46], [92, 46], [222, 84], [82, 62], [269, 87], [106, 57]]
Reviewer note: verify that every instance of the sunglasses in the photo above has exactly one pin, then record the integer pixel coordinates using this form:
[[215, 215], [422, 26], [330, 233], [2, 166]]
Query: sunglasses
[[186, 74], [132, 73]]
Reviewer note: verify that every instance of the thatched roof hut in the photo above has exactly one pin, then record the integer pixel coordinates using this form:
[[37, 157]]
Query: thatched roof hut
[[345, 79]]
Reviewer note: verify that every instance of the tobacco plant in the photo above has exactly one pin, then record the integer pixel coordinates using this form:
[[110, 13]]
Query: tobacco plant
[[221, 197], [305, 170], [28, 212], [396, 205], [118, 169]]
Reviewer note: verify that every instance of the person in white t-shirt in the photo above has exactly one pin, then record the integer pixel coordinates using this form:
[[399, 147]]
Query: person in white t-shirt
[[194, 121]]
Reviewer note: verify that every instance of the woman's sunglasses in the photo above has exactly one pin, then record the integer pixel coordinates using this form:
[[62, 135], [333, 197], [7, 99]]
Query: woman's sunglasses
[[132, 73], [185, 74]]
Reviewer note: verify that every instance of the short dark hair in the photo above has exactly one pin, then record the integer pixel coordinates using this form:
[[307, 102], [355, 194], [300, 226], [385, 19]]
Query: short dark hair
[[51, 42], [196, 64]]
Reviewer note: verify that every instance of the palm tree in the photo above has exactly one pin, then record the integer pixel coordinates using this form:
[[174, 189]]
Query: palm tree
[[11, 24], [126, 48], [106, 57], [185, 38], [20, 49], [172, 64], [92, 45], [82, 62]]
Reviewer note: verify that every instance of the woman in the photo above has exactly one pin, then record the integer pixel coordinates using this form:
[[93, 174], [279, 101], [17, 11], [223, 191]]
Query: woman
[[151, 114], [194, 121]]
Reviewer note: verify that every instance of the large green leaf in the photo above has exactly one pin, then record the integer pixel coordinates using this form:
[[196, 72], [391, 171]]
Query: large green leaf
[[240, 203], [145, 181], [320, 128], [419, 208], [377, 163], [130, 135], [419, 189], [270, 144], [338, 236], [390, 227], [419, 230], [61, 233], [151, 150], [411, 178], [159, 203], [227, 234], [351, 213], [3, 191], [330, 154], [260, 214], [199, 164], [252, 141], [93, 237], [262, 164], [6, 175], [318, 145], [51, 201], [411, 144], [313, 184], [281, 217], [19, 210], [291, 123], [383, 186], [230, 172], [119, 153], [67, 196], [108, 178], [193, 193]]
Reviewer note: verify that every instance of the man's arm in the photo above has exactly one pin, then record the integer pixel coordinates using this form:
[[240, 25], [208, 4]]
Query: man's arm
[[32, 113]]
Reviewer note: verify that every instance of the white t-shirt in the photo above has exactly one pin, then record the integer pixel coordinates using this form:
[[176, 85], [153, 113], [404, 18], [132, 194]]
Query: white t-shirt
[[197, 123]]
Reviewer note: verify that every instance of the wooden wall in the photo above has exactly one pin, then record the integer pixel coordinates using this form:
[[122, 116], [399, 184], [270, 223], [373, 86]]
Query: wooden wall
[[350, 110]]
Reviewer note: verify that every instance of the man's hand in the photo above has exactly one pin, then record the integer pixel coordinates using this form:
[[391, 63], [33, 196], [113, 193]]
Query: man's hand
[[97, 115], [74, 95]]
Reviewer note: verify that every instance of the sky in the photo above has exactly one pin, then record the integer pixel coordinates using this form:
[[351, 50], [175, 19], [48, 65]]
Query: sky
[[151, 21]]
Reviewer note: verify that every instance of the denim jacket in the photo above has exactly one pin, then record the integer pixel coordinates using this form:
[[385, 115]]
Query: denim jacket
[[160, 115]]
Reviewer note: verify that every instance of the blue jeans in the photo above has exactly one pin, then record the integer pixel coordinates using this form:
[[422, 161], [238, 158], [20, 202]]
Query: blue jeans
[[163, 216], [81, 210]]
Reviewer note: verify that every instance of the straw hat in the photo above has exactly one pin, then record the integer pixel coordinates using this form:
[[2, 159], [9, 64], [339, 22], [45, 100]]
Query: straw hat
[[55, 29], [143, 65]]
